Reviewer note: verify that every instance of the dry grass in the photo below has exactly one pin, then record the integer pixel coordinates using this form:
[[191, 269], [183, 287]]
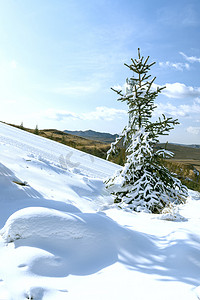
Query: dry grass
[[187, 162], [186, 171]]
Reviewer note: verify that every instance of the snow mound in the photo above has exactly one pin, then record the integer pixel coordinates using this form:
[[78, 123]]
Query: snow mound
[[43, 222], [171, 216], [81, 243], [171, 213], [34, 293]]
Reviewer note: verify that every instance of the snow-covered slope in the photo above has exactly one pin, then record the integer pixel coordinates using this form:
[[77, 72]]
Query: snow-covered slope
[[62, 238]]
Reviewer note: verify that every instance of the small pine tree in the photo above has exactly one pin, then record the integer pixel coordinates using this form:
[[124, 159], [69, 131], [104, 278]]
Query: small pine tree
[[21, 126], [144, 183], [36, 131]]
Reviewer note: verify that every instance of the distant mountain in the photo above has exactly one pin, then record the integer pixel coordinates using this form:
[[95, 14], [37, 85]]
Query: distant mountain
[[94, 135], [190, 146]]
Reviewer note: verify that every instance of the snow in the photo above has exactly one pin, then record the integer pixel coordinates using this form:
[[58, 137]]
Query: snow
[[62, 237]]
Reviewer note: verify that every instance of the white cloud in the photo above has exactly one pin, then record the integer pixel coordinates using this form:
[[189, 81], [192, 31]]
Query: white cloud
[[100, 113], [193, 130], [178, 66], [191, 59], [172, 90], [183, 110], [170, 109], [180, 90], [197, 100], [59, 115], [104, 113]]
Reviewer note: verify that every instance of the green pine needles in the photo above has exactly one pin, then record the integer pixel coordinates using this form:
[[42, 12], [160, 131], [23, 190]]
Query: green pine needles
[[144, 183]]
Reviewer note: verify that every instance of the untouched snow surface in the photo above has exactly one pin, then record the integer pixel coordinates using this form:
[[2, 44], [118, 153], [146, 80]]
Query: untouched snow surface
[[62, 238]]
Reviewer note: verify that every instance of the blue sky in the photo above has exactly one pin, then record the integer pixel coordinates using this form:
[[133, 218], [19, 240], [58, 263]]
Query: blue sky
[[58, 60]]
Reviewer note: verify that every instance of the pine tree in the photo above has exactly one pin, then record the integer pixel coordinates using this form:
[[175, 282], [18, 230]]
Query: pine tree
[[21, 126], [36, 131], [144, 183]]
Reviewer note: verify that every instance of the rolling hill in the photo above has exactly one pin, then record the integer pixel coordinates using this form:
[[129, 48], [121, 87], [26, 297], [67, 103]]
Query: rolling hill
[[94, 135]]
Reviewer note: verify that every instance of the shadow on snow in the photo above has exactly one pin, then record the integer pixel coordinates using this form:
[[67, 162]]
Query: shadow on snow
[[103, 242]]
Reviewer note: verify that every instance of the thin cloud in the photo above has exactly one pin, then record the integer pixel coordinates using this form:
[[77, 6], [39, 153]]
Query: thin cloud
[[191, 59], [104, 113], [59, 115], [193, 130], [177, 66], [197, 100], [171, 110], [100, 113]]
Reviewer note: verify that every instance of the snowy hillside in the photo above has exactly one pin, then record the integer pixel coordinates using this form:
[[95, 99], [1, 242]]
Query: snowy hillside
[[62, 238]]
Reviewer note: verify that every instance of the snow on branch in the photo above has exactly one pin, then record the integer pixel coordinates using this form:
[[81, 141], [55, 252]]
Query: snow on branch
[[144, 183]]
